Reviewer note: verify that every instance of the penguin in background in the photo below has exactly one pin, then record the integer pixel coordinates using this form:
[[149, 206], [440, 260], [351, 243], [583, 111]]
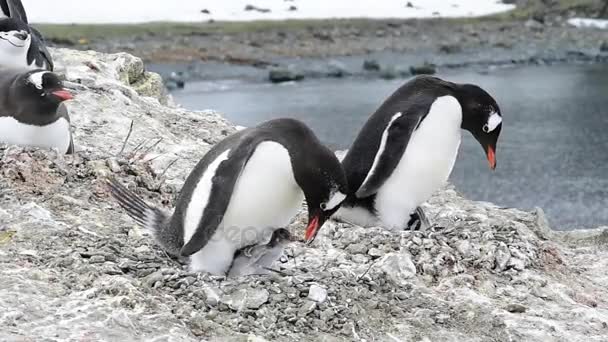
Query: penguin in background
[[32, 112], [407, 149], [251, 183], [21, 46]]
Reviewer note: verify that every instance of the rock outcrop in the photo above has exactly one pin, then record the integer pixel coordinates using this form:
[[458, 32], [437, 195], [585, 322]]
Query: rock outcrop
[[74, 267]]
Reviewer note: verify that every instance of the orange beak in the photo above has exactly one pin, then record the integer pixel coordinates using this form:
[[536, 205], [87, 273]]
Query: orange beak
[[491, 157], [63, 95], [311, 230]]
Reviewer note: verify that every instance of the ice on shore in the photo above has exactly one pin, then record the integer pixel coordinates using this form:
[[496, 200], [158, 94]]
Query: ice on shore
[[138, 11]]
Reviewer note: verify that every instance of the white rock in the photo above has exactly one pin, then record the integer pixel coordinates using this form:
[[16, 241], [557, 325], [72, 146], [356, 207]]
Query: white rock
[[317, 293]]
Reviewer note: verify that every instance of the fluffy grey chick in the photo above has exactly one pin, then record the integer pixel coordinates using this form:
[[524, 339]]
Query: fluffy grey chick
[[257, 259]]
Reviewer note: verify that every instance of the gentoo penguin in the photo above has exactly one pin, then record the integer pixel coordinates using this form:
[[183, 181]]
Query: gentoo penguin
[[252, 182], [31, 110], [258, 259], [407, 149], [20, 44]]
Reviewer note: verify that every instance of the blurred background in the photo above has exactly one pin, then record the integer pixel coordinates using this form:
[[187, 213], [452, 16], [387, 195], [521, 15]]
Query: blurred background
[[331, 63]]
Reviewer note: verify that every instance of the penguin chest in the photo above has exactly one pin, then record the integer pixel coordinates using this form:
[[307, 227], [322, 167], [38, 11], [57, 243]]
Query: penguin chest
[[54, 135], [265, 197], [425, 165]]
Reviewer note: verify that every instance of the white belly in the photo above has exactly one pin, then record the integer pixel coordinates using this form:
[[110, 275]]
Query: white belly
[[55, 135], [266, 197], [424, 167]]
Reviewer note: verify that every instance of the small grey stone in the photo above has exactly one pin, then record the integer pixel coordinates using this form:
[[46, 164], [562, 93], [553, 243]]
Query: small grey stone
[[516, 308], [97, 259]]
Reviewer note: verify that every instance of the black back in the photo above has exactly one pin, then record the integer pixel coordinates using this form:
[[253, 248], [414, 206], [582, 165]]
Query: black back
[[312, 163]]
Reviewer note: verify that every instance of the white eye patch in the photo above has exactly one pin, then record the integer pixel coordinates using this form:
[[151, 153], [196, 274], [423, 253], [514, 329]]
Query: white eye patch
[[335, 200], [36, 79], [493, 121]]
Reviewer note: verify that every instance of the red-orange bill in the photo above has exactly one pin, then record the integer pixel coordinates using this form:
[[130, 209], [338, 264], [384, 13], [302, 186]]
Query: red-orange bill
[[491, 158], [63, 95], [311, 230]]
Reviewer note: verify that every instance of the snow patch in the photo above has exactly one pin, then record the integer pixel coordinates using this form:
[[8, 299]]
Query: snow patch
[[137, 11], [601, 24]]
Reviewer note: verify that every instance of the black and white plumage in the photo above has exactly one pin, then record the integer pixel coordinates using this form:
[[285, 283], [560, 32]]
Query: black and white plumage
[[407, 149], [32, 112], [21, 46], [248, 184], [258, 259]]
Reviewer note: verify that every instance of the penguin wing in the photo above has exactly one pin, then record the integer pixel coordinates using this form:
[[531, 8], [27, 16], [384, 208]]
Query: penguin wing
[[393, 143], [222, 186], [15, 9], [44, 53]]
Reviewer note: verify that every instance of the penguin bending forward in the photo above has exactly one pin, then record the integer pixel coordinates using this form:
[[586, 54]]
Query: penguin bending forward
[[407, 149], [251, 183], [32, 112]]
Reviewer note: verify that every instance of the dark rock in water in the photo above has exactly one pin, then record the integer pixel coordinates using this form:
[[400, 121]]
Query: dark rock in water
[[604, 47], [409, 5], [371, 65], [389, 73], [284, 75], [450, 48], [424, 69], [176, 80], [205, 11], [292, 8], [337, 70], [258, 9]]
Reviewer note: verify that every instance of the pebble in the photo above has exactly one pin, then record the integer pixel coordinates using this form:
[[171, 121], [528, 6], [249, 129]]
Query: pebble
[[317, 293]]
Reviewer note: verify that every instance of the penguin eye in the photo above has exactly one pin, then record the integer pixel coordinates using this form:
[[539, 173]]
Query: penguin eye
[[486, 128], [323, 206]]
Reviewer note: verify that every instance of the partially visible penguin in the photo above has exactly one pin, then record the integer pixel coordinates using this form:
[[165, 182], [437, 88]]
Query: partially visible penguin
[[21, 46], [248, 184], [32, 112], [407, 149], [258, 259]]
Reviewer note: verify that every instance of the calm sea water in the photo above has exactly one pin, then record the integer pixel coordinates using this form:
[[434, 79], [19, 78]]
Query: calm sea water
[[553, 151]]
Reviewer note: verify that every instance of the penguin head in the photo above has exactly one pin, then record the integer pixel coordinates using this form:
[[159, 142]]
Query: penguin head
[[46, 87], [15, 35], [279, 237], [481, 116], [323, 182]]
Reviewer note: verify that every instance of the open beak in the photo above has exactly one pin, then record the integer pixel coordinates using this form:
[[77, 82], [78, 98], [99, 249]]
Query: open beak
[[314, 223], [491, 157], [63, 94]]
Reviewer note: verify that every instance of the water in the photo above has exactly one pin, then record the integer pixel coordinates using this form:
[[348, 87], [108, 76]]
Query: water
[[552, 153]]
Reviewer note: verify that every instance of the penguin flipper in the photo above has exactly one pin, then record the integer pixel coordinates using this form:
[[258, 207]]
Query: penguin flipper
[[223, 183], [16, 10], [44, 52], [398, 135]]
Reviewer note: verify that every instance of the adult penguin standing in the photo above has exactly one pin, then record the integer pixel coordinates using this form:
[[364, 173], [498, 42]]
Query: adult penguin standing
[[407, 149], [251, 183]]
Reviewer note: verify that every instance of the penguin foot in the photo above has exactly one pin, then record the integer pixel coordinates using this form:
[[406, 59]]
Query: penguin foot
[[418, 220]]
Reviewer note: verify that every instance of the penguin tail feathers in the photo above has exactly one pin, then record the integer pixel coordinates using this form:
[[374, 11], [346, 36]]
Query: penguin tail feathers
[[149, 217]]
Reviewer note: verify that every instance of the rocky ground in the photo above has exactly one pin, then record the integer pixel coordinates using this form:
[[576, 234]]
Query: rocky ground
[[74, 267]]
